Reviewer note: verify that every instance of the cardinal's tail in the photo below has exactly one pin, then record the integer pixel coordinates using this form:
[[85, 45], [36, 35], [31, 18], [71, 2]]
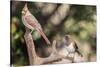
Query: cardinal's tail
[[44, 36]]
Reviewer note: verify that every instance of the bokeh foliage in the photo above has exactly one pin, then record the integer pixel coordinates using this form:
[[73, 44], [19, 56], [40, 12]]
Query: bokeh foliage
[[57, 20]]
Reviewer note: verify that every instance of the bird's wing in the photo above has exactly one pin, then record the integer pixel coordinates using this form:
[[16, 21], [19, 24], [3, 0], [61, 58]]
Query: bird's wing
[[33, 22], [76, 46]]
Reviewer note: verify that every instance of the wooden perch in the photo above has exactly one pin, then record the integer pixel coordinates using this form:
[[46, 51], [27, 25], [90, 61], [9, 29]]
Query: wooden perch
[[34, 59]]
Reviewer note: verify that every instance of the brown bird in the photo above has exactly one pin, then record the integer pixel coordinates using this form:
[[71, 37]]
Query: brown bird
[[32, 23], [71, 45], [67, 46]]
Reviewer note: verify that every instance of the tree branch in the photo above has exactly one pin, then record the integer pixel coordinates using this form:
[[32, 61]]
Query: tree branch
[[34, 59]]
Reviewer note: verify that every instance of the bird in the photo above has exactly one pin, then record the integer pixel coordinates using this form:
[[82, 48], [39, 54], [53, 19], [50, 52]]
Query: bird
[[32, 23], [71, 45], [67, 46]]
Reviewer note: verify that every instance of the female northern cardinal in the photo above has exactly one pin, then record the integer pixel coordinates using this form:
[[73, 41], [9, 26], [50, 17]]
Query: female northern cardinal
[[31, 22]]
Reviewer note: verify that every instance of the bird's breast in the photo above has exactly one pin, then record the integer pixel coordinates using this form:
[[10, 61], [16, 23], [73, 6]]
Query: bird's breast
[[26, 22]]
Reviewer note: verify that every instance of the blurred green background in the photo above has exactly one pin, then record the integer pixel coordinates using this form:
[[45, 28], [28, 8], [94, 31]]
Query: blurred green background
[[57, 20]]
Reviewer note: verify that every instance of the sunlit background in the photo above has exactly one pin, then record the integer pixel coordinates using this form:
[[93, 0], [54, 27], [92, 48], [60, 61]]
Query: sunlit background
[[57, 20]]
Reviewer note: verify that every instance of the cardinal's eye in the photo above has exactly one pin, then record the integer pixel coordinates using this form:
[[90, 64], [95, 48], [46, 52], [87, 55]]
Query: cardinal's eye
[[24, 12]]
